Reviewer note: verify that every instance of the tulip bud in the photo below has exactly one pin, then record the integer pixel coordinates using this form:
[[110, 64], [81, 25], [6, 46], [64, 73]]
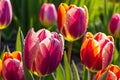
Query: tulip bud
[[48, 14], [43, 51], [114, 25], [5, 13], [96, 51], [12, 66], [72, 21], [113, 73]]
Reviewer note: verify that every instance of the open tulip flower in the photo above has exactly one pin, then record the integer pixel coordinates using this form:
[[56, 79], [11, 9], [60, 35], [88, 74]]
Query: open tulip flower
[[72, 21], [112, 72], [48, 14], [43, 51], [12, 66], [96, 51], [114, 25], [5, 13]]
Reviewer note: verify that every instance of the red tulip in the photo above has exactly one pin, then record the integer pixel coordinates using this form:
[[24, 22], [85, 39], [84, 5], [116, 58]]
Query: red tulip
[[48, 14], [113, 73], [5, 13], [43, 51], [72, 21], [96, 51], [114, 25], [12, 66]]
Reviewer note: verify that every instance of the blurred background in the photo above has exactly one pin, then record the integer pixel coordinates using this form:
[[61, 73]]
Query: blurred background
[[26, 16]]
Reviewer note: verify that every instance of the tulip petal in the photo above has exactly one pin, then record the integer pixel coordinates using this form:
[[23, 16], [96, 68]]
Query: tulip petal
[[75, 22], [62, 10], [89, 52], [43, 58], [42, 34], [30, 48], [107, 54]]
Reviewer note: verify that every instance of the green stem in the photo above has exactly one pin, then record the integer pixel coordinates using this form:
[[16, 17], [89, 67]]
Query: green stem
[[69, 51], [105, 15], [85, 74]]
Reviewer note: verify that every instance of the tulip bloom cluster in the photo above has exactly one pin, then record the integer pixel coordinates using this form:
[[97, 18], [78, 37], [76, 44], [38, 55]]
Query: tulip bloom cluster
[[113, 73], [43, 51], [96, 51], [48, 14], [72, 21], [11, 66], [114, 25], [5, 13]]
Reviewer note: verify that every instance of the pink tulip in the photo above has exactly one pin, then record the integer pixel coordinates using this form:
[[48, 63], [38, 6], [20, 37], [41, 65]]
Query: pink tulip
[[5, 13], [48, 14], [114, 25], [72, 21], [43, 51], [12, 66], [96, 51]]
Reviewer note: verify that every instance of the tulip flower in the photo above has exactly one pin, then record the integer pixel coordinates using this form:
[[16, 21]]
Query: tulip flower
[[5, 13], [48, 14], [43, 51], [72, 21], [113, 73], [96, 51], [12, 66], [114, 25]]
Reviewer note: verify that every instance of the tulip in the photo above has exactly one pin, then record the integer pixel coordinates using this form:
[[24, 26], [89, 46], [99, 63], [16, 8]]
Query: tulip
[[12, 66], [114, 25], [43, 51], [48, 14], [96, 51], [5, 13], [113, 73], [72, 21]]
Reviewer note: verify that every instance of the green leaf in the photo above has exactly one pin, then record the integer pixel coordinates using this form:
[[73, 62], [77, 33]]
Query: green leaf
[[68, 72], [18, 41], [75, 71], [48, 77], [60, 75]]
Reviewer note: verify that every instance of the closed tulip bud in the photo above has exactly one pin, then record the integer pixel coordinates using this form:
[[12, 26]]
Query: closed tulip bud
[[12, 66], [72, 21], [43, 51], [48, 14], [114, 25], [112, 72], [5, 13], [96, 51]]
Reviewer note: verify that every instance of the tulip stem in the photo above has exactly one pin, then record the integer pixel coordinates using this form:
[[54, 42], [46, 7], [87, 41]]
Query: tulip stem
[[69, 51]]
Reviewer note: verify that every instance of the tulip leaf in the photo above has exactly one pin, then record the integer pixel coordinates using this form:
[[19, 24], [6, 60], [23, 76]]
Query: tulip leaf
[[68, 73], [48, 77], [75, 71], [60, 75], [18, 41]]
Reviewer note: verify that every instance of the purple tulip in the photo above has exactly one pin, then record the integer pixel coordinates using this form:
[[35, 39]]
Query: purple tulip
[[43, 51], [5, 13], [48, 14], [114, 25]]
